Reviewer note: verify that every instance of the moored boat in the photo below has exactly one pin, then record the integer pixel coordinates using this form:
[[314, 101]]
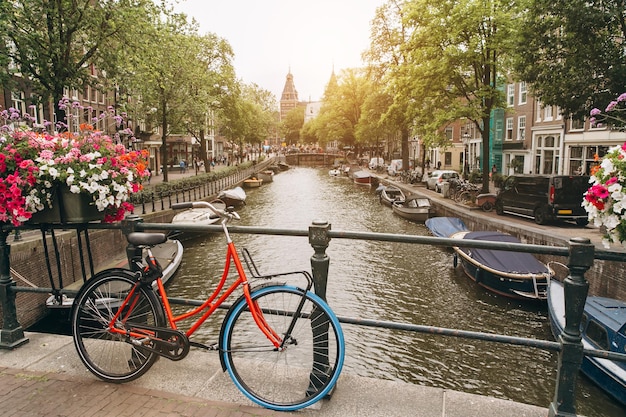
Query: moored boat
[[362, 178], [390, 195], [252, 182], [266, 176], [414, 208], [603, 328], [335, 172], [517, 275], [168, 254], [233, 197]]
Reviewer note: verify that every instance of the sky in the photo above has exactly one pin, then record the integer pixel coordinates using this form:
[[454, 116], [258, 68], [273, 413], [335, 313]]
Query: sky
[[272, 37]]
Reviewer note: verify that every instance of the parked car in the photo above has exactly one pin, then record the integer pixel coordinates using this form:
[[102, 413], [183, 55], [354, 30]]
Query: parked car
[[544, 198], [436, 179]]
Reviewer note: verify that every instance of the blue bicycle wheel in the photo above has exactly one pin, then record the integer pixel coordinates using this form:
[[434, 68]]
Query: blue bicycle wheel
[[307, 367]]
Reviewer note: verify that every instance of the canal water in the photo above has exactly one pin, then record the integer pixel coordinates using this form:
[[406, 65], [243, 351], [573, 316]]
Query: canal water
[[395, 282]]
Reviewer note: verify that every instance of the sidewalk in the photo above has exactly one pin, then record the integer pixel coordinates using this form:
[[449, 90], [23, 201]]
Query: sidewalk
[[45, 377]]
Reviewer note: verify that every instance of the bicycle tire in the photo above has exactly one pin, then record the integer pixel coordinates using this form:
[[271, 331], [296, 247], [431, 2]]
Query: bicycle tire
[[112, 357], [465, 197], [295, 377]]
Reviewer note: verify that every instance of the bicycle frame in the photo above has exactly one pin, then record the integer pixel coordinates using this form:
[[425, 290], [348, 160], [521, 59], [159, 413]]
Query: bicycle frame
[[210, 305]]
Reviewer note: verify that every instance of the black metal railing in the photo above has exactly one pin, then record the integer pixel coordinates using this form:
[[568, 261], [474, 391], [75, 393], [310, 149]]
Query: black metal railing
[[579, 252]]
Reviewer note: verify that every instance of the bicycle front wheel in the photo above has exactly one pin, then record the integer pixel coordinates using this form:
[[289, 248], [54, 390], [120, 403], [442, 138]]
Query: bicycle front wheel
[[304, 370], [114, 357]]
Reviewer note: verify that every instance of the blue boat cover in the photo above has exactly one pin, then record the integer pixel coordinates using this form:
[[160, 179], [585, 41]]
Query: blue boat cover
[[445, 226], [507, 261]]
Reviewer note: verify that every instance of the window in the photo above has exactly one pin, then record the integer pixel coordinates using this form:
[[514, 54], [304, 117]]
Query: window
[[547, 113], [598, 335], [17, 101], [449, 133], [510, 95], [539, 107], [577, 124], [522, 92], [447, 157], [521, 128], [509, 128]]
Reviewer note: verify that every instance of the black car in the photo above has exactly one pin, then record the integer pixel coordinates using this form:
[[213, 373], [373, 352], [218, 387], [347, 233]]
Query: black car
[[544, 198]]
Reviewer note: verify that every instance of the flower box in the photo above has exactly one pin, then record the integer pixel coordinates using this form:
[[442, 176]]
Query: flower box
[[68, 207]]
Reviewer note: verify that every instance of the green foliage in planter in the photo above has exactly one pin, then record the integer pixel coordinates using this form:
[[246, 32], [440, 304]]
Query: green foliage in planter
[[498, 180], [476, 177]]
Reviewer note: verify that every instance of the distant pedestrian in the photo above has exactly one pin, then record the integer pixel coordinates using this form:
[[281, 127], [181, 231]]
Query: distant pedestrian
[[182, 166], [494, 171]]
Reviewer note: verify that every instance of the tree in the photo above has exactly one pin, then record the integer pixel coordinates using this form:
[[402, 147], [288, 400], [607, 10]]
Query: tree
[[455, 51], [58, 44], [290, 127], [386, 57], [571, 52], [180, 74]]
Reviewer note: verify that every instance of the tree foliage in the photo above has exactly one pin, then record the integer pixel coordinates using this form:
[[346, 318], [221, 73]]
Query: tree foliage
[[57, 44], [456, 49], [572, 52]]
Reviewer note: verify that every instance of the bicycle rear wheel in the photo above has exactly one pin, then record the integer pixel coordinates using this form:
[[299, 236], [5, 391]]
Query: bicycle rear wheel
[[308, 366], [114, 357]]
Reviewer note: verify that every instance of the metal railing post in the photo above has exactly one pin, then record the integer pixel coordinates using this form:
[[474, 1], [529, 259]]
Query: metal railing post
[[12, 334], [319, 239], [581, 256]]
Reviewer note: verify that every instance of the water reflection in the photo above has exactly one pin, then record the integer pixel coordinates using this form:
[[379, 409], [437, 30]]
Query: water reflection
[[395, 282]]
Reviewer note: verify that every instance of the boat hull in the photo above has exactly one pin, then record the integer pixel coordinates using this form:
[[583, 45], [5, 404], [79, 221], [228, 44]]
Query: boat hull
[[234, 197], [391, 195], [608, 375], [529, 286], [418, 215], [252, 183]]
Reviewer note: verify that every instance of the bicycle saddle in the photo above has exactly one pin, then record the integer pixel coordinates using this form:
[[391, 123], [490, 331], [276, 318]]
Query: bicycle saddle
[[146, 239]]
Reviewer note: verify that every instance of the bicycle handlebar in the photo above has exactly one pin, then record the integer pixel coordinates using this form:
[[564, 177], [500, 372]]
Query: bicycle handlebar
[[227, 213]]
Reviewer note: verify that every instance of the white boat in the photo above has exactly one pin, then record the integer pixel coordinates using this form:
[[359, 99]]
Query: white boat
[[200, 216], [233, 197], [169, 255], [335, 172]]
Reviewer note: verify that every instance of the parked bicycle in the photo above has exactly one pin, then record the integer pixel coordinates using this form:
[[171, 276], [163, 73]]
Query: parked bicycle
[[281, 344]]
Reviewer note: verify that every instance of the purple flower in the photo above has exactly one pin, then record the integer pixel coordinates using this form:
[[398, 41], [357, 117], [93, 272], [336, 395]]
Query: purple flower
[[622, 97], [611, 106], [594, 112]]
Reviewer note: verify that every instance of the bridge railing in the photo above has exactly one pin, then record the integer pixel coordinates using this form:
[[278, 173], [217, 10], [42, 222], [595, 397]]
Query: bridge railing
[[580, 253]]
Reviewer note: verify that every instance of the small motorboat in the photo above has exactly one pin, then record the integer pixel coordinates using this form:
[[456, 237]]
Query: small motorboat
[[252, 182], [517, 275], [414, 208], [390, 195], [603, 328], [283, 166], [266, 176], [168, 254], [234, 197], [335, 172]]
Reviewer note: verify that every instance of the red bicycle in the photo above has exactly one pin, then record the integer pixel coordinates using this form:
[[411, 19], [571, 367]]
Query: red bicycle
[[281, 344]]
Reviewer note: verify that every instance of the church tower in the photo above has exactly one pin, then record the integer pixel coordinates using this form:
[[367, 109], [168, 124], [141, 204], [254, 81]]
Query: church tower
[[289, 99]]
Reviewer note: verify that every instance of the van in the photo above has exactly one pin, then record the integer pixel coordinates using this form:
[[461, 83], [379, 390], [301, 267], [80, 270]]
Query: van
[[376, 163], [544, 198], [395, 166]]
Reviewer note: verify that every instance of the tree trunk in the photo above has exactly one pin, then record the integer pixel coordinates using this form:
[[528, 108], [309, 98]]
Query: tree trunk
[[164, 140]]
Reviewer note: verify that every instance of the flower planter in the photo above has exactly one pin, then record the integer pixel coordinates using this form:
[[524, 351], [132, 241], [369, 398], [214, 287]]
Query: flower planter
[[68, 207]]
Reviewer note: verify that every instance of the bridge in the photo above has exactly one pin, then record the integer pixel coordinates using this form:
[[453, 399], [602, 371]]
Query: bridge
[[313, 159]]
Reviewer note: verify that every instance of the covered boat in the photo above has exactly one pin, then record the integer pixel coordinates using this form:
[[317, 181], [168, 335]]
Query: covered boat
[[603, 328], [362, 178], [517, 275], [233, 197], [199, 216], [266, 176]]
